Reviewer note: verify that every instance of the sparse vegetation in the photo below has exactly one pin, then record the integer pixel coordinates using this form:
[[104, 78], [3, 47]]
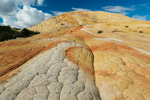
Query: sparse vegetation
[[6, 33], [127, 26], [140, 31], [100, 31]]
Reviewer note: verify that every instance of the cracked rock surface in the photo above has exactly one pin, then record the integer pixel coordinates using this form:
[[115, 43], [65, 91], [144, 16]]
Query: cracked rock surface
[[51, 76]]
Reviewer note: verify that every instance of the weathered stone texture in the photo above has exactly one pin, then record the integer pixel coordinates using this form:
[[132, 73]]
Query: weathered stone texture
[[72, 61]]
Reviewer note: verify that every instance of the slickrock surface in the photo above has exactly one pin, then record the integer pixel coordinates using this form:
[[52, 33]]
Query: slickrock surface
[[70, 60], [77, 18]]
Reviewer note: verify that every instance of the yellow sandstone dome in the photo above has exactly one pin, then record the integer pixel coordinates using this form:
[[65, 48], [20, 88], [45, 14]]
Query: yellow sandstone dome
[[79, 56]]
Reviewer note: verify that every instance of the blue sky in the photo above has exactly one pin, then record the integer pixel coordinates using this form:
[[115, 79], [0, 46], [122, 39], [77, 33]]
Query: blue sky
[[26, 13]]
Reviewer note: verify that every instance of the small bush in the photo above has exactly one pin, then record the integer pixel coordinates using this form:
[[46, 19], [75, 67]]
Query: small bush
[[100, 31], [127, 26], [140, 31], [25, 32]]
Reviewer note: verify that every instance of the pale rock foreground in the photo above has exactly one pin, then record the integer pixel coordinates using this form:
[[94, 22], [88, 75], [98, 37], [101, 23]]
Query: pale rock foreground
[[51, 76], [73, 62]]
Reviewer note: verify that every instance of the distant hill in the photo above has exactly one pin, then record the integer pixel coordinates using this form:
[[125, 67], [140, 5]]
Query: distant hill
[[77, 18]]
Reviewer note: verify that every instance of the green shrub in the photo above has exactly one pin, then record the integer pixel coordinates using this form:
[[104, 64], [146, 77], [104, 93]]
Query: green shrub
[[17, 34], [25, 32], [127, 26], [100, 31], [140, 31], [6, 33], [5, 36]]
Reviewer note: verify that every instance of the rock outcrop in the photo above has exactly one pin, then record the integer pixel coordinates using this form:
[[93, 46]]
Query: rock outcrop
[[71, 60]]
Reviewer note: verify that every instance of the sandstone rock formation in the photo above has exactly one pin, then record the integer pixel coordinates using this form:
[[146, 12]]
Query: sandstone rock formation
[[70, 60]]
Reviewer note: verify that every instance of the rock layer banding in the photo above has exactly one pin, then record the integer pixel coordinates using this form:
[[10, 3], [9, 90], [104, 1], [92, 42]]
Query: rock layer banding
[[70, 60]]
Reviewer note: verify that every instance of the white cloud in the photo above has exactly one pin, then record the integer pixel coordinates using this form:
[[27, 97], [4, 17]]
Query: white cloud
[[26, 17], [80, 9], [19, 13], [138, 17], [7, 7], [117, 9], [75, 9], [40, 2], [57, 12], [29, 16], [47, 15], [24, 2], [145, 4]]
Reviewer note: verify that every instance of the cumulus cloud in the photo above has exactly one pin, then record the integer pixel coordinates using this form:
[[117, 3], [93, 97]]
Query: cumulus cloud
[[80, 9], [47, 15], [75, 9], [118, 9], [26, 17], [138, 17], [29, 16], [40, 2], [19, 13], [57, 12], [24, 2], [7, 7]]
